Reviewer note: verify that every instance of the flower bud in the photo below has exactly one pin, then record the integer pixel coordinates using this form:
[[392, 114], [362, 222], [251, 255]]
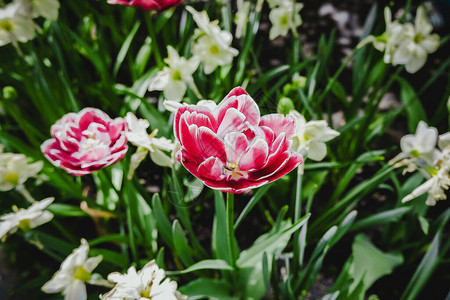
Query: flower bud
[[9, 93], [285, 105]]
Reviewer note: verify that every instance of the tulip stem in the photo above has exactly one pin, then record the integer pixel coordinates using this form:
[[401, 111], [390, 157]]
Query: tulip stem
[[230, 228]]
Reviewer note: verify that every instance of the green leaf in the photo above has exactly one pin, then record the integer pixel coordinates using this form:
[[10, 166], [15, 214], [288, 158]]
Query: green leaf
[[143, 56], [116, 238], [164, 227], [339, 91], [111, 257], [125, 47], [270, 243], [194, 188], [414, 109], [369, 263], [65, 210], [253, 201], [206, 287], [424, 224], [384, 217], [207, 264], [181, 244], [252, 261], [436, 251]]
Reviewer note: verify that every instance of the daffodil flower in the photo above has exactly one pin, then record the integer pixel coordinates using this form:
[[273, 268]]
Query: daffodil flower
[[173, 106], [211, 44], [45, 8], [25, 219], [437, 184], [418, 149], [285, 17], [148, 283], [75, 271], [146, 143], [176, 76], [417, 43], [310, 137], [14, 26], [405, 44], [15, 169]]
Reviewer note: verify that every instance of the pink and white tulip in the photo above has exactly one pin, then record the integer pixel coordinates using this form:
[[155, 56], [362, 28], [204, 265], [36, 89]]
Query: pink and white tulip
[[232, 148], [86, 141], [157, 5]]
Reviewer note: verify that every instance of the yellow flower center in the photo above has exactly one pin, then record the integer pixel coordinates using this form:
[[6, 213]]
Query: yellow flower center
[[146, 292], [82, 274], [431, 170], [176, 75], [12, 178], [6, 25], [233, 170], [214, 49], [24, 225], [284, 20], [415, 153], [418, 38]]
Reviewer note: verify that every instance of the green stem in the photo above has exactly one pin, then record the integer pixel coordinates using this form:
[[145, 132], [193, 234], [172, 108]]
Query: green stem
[[298, 194], [297, 214], [230, 228], [154, 43]]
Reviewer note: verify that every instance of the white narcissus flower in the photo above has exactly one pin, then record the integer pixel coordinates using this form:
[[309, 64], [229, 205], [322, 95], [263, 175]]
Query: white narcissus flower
[[310, 137], [437, 184], [75, 270], [15, 169], [417, 149], [241, 18], [14, 27], [138, 136], [25, 219], [45, 8], [148, 283], [176, 77], [173, 106], [212, 45], [405, 44], [284, 18], [417, 43]]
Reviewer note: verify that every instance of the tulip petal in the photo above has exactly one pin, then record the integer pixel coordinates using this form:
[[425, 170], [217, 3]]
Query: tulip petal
[[211, 168], [279, 123], [202, 115], [210, 144], [233, 121], [255, 157], [235, 145], [241, 101]]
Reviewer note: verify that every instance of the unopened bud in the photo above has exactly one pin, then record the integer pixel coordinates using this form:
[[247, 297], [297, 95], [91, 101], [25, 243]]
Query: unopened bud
[[285, 105], [9, 93]]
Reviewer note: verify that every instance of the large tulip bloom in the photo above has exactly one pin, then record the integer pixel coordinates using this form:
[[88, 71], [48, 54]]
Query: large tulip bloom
[[157, 5], [86, 142], [231, 147]]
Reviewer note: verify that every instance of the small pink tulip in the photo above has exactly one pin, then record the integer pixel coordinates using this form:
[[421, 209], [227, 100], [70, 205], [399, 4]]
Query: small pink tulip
[[157, 5], [86, 141], [231, 148]]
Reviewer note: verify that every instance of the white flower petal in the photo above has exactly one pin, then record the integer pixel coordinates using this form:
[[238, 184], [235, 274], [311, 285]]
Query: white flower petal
[[92, 262], [76, 290]]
